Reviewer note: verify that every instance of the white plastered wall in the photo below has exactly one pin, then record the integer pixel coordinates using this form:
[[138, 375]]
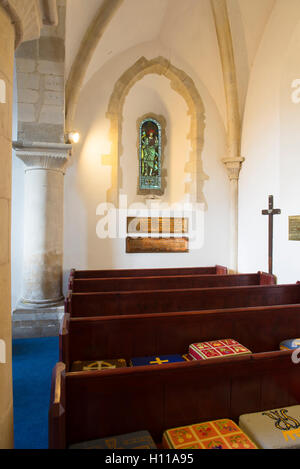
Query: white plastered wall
[[17, 220], [271, 146], [88, 179], [153, 94], [175, 30]]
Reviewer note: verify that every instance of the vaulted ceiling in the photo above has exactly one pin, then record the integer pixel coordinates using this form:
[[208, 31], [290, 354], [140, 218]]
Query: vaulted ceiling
[[185, 29]]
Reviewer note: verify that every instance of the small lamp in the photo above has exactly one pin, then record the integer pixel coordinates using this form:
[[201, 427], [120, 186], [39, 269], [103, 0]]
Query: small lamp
[[73, 137]]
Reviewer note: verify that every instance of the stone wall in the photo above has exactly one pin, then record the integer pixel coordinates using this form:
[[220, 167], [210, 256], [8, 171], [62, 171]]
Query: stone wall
[[40, 78], [40, 68], [7, 38]]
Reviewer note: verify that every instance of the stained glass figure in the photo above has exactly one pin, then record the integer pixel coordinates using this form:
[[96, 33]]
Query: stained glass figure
[[150, 155]]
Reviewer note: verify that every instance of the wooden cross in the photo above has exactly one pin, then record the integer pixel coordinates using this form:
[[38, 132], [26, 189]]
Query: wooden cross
[[271, 212]]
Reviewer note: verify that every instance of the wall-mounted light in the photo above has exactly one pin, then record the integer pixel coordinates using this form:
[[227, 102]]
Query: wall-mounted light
[[73, 137]]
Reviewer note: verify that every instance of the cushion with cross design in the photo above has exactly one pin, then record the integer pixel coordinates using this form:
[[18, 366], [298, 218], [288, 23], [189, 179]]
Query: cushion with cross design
[[215, 434], [98, 365], [217, 349], [157, 360], [273, 429]]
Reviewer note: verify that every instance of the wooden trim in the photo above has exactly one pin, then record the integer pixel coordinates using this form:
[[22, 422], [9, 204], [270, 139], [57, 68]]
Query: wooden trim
[[221, 270], [166, 282], [157, 245], [166, 333], [216, 388], [112, 273], [267, 279], [64, 340], [187, 299], [57, 416]]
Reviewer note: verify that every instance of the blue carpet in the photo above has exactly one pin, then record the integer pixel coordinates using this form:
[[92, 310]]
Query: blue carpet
[[33, 361]]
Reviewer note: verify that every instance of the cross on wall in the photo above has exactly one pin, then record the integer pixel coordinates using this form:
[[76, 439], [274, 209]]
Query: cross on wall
[[271, 211]]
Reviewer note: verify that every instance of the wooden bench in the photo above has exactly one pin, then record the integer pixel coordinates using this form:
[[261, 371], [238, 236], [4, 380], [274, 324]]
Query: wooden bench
[[169, 282], [89, 405], [84, 274], [159, 301], [258, 328]]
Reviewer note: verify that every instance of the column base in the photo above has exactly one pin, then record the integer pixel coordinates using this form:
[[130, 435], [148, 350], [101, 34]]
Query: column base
[[34, 322], [42, 304]]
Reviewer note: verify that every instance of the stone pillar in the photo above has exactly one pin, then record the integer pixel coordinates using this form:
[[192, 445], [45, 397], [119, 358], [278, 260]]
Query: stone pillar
[[233, 160], [41, 146], [43, 238], [20, 20], [7, 40], [233, 166]]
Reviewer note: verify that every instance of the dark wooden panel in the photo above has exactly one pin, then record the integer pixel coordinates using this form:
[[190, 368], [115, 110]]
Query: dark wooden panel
[[57, 434], [156, 245], [142, 335], [148, 272], [129, 410], [157, 301], [268, 326], [100, 404], [245, 389], [169, 283], [196, 397]]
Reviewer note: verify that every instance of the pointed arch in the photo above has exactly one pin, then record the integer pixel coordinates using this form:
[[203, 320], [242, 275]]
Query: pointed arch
[[182, 84]]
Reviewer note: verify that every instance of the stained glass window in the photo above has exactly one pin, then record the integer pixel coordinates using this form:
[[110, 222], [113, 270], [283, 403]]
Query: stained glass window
[[150, 155]]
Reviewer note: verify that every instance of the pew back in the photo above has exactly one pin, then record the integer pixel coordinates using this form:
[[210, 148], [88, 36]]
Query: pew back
[[169, 282], [101, 404], [217, 270], [97, 338], [158, 301]]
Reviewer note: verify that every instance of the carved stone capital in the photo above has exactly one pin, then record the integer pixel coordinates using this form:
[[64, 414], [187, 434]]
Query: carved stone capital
[[40, 155], [28, 17], [233, 166]]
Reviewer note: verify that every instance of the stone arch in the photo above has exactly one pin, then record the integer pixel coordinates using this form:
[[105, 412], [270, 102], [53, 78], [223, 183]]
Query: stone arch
[[88, 45], [182, 84]]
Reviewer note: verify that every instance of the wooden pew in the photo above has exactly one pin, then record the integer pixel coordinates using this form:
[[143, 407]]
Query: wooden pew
[[169, 282], [56, 415], [216, 270], [89, 405], [259, 329], [158, 301]]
